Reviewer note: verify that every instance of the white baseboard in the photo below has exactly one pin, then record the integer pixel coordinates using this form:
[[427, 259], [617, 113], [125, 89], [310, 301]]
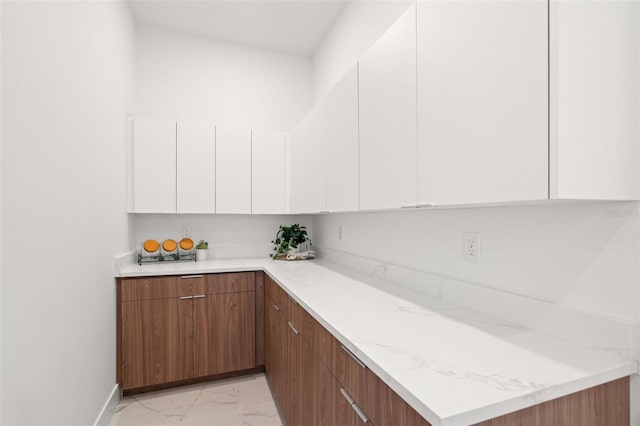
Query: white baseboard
[[109, 407]]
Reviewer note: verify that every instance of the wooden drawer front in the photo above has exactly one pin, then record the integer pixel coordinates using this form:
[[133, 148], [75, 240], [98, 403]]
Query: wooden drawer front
[[277, 294], [229, 282], [349, 372], [384, 407], [320, 340], [155, 288]]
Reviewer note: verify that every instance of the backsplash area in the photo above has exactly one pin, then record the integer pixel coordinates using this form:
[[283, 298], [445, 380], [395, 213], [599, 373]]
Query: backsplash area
[[229, 236]]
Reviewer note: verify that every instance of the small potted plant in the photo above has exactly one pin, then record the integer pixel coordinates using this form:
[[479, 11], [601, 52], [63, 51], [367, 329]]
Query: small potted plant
[[202, 250], [288, 240]]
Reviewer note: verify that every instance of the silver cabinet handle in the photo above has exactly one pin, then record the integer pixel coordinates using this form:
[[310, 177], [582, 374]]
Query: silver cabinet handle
[[276, 307], [355, 358], [295, 330], [346, 396], [191, 276], [199, 296], [186, 297], [360, 413]]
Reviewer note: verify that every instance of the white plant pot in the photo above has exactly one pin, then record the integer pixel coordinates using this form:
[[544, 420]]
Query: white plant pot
[[202, 255]]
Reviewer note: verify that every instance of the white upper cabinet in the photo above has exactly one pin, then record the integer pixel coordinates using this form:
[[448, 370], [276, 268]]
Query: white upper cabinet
[[308, 177], [339, 133], [154, 166], [196, 174], [233, 170], [387, 101], [269, 172], [594, 102], [482, 102]]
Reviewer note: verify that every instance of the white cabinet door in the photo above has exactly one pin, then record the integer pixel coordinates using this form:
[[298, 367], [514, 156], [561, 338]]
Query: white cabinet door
[[339, 133], [308, 183], [268, 172], [233, 170], [388, 141], [196, 174], [482, 101], [154, 166], [594, 103]]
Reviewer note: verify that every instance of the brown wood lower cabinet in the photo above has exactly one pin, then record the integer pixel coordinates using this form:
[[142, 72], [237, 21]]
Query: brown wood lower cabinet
[[173, 329], [319, 382]]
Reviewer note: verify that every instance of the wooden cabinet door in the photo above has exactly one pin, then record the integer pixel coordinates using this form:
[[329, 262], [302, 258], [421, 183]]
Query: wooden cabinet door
[[294, 372], [196, 167], [157, 342], [388, 135], [274, 345], [233, 170], [154, 166], [225, 332], [268, 172], [482, 102]]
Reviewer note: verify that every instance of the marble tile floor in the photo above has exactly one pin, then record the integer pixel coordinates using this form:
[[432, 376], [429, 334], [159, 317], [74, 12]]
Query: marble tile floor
[[240, 401]]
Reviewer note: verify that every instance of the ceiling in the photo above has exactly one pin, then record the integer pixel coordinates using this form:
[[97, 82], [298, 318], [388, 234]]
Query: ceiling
[[293, 26]]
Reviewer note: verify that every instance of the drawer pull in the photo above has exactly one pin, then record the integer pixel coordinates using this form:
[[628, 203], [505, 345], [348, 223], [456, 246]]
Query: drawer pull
[[295, 330], [355, 358], [186, 297], [346, 396], [360, 413], [199, 296], [276, 307], [191, 276]]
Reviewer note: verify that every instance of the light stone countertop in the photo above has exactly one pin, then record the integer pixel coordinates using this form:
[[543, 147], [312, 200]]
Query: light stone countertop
[[454, 365]]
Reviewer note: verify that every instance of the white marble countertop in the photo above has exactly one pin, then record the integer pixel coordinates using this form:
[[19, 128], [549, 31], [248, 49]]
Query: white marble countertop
[[453, 365]]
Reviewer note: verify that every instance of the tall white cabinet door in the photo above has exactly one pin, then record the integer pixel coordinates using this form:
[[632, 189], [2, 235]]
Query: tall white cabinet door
[[269, 172], [308, 178], [595, 100], [339, 133], [388, 141], [196, 178], [482, 101], [154, 166], [233, 170]]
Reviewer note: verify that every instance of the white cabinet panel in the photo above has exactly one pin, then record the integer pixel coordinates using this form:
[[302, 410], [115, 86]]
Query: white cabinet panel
[[269, 172], [196, 174], [233, 170], [482, 102], [594, 104], [154, 166], [339, 133], [308, 181]]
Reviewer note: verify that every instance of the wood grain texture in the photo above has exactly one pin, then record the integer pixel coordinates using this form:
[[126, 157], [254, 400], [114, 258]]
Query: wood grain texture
[[157, 342], [229, 282], [260, 332], [348, 372], [230, 324], [603, 405], [119, 331], [274, 291], [274, 349], [154, 288]]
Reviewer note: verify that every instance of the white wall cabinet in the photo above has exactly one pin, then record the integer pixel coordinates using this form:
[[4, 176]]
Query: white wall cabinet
[[387, 102], [339, 132], [233, 170], [308, 174], [594, 100], [196, 167], [153, 166], [482, 102], [268, 172]]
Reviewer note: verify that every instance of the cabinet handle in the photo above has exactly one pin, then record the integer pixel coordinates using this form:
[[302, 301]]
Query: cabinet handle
[[360, 413], [186, 297], [191, 276], [276, 307], [355, 358], [198, 296], [295, 330], [346, 396]]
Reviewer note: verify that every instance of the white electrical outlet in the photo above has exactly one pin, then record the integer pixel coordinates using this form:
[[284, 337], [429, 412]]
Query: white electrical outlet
[[186, 231], [339, 232], [471, 247]]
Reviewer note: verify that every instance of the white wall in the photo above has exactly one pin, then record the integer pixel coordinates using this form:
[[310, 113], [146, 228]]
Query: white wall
[[229, 236], [67, 75], [355, 30], [183, 76]]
